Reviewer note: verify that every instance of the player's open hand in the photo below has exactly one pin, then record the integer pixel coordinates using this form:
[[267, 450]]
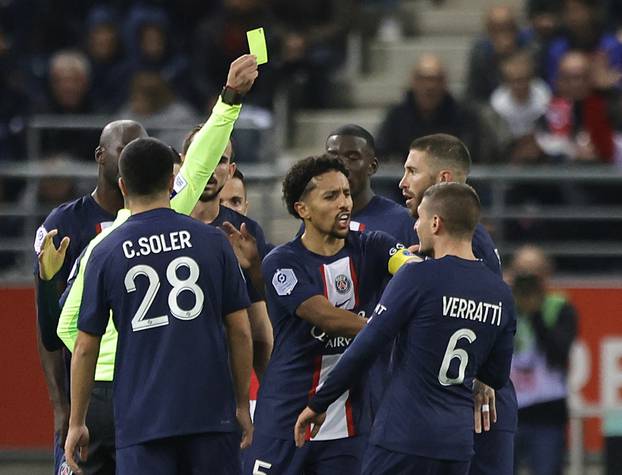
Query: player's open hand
[[242, 73], [244, 245], [50, 258], [485, 409], [243, 416], [307, 417], [77, 440]]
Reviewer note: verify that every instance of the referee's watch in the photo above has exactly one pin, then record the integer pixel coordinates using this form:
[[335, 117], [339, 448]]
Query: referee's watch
[[231, 96]]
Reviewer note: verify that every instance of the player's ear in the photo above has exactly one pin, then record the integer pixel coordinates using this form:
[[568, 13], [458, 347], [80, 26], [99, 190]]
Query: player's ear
[[437, 223], [232, 168], [99, 154], [302, 209], [445, 176], [122, 187], [373, 166]]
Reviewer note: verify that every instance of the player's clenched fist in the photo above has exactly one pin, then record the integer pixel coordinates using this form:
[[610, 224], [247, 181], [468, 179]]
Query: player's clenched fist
[[242, 73]]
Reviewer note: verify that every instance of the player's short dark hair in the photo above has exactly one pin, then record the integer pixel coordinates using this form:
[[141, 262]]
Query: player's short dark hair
[[297, 181], [189, 137], [354, 130], [445, 150], [458, 204], [146, 165]]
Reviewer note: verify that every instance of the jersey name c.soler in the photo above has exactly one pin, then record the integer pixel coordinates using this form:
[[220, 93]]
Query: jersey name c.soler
[[341, 289]]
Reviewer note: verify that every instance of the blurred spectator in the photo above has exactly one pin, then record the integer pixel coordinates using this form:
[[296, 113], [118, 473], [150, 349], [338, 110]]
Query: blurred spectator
[[220, 39], [501, 40], [110, 71], [520, 101], [153, 103], [314, 39], [544, 24], [69, 78], [546, 329], [429, 108], [55, 190], [583, 30], [579, 123], [14, 104], [152, 47]]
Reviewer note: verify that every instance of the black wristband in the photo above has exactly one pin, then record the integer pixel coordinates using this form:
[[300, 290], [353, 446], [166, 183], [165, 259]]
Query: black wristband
[[231, 96]]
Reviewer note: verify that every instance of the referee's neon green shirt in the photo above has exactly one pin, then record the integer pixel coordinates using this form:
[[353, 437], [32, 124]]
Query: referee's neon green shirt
[[202, 158]]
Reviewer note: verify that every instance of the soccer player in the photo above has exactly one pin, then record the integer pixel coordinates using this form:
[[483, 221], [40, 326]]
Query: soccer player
[[233, 194], [319, 288], [444, 158], [454, 321], [70, 227], [178, 301], [210, 211], [189, 183], [370, 212]]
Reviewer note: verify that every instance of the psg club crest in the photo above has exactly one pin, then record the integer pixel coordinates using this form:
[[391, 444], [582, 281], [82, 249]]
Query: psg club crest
[[343, 284], [64, 469]]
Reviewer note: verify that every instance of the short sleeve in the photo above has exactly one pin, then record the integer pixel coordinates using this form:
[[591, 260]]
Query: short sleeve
[[235, 295], [288, 283], [94, 307], [53, 221]]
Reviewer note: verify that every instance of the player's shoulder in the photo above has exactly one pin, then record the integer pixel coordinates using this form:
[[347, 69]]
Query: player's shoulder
[[287, 253], [237, 219], [67, 211], [390, 206]]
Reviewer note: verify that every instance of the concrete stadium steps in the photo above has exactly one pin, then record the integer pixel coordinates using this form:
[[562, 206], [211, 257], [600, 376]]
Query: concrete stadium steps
[[312, 128], [395, 61]]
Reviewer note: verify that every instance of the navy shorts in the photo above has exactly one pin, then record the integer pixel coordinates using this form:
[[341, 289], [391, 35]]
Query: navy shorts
[[380, 461], [216, 453], [271, 456], [100, 422], [494, 453]]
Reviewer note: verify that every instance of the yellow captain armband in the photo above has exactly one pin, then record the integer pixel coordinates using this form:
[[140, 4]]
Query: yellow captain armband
[[399, 257]]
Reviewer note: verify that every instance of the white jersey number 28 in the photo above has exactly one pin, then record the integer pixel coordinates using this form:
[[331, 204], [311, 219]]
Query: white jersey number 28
[[140, 320]]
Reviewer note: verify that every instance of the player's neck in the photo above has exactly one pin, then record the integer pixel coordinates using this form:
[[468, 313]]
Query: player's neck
[[320, 243], [452, 247], [361, 200], [109, 199], [207, 211], [142, 204]]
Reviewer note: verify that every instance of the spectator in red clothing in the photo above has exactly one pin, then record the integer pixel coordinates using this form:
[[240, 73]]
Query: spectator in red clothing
[[579, 122]]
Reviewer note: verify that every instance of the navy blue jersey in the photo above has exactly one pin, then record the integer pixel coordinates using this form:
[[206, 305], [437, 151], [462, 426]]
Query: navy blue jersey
[[303, 354], [383, 214], [455, 321], [169, 281], [235, 218], [81, 220]]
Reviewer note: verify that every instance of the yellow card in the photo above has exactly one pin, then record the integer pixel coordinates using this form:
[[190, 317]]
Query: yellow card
[[257, 45]]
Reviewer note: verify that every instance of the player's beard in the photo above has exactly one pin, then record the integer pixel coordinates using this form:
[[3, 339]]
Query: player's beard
[[208, 196]]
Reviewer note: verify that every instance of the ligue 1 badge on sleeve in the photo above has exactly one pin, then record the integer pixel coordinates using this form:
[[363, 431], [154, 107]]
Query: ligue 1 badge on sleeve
[[284, 281]]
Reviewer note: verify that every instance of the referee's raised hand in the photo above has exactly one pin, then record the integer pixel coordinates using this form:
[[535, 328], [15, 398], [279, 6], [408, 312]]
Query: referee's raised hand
[[242, 73]]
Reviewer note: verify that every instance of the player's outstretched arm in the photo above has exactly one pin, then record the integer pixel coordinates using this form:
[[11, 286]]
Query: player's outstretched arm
[[241, 357], [210, 142], [318, 311], [83, 364]]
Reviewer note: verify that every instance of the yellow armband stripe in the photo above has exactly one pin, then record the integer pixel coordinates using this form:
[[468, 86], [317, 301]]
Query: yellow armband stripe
[[397, 260]]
